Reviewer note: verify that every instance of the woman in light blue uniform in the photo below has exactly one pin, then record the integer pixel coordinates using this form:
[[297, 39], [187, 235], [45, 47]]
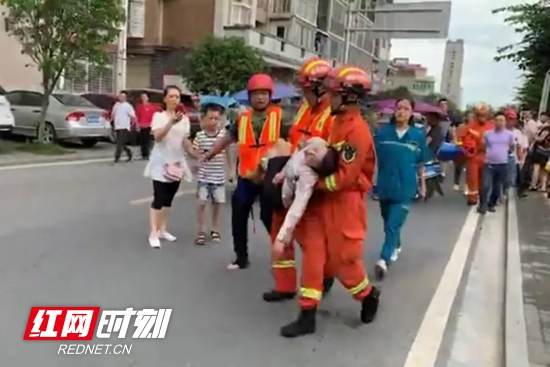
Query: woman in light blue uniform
[[401, 151]]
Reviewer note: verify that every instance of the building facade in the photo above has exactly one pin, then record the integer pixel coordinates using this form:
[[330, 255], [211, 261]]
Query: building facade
[[451, 75], [414, 77]]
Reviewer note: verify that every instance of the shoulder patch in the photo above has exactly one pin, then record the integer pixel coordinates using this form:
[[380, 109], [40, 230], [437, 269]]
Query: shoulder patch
[[348, 153]]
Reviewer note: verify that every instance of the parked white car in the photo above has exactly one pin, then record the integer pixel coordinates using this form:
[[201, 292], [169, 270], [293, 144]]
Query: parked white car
[[6, 116], [69, 117]]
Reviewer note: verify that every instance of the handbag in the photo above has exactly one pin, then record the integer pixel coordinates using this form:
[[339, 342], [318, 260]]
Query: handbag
[[173, 172]]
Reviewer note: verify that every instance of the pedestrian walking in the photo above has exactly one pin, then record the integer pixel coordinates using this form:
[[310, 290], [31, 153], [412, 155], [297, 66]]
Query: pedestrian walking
[[499, 143], [123, 116], [402, 151], [211, 174], [167, 165], [144, 113]]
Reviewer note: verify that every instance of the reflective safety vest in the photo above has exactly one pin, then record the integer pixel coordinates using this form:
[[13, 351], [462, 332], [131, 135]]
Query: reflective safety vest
[[252, 148], [308, 125]]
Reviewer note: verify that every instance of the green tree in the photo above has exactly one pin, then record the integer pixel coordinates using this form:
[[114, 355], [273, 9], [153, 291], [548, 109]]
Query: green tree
[[532, 53], [221, 65], [58, 34], [399, 92]]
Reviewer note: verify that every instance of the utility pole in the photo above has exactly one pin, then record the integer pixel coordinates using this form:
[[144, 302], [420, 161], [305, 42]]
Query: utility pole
[[347, 31], [121, 54], [545, 93]]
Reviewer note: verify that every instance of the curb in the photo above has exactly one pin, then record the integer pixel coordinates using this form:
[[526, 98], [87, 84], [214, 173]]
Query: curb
[[55, 159], [516, 352]]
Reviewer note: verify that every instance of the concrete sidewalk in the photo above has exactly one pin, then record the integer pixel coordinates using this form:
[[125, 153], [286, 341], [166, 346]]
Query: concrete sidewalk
[[534, 238]]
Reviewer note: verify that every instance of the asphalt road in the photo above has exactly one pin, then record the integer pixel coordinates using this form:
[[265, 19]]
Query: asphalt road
[[77, 235]]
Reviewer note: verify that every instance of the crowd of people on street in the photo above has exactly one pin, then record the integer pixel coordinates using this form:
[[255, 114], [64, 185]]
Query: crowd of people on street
[[312, 177]]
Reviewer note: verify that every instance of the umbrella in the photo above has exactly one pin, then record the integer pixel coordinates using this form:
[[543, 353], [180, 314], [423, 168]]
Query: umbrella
[[281, 91], [224, 102]]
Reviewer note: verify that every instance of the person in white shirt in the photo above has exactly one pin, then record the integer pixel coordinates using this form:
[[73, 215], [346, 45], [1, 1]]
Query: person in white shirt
[[518, 154], [123, 116], [167, 164], [530, 126]]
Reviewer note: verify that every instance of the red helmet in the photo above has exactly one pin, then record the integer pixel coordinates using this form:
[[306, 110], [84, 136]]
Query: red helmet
[[349, 79], [313, 71], [482, 109], [510, 114], [261, 82]]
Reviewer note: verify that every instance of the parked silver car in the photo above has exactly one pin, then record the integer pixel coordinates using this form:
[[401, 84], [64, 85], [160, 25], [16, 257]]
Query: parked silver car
[[69, 117]]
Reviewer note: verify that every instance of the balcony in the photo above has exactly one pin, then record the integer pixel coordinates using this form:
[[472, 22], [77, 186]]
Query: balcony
[[276, 51]]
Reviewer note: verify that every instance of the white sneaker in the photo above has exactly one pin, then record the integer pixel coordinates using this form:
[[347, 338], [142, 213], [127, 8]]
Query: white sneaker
[[381, 269], [154, 242], [165, 235], [395, 255], [456, 187]]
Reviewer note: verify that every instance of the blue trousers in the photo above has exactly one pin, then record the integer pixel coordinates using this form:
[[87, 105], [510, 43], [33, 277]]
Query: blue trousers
[[394, 215], [494, 180]]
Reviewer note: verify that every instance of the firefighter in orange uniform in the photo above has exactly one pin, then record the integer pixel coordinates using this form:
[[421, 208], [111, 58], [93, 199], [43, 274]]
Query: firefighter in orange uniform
[[474, 150], [312, 120], [334, 236], [255, 132]]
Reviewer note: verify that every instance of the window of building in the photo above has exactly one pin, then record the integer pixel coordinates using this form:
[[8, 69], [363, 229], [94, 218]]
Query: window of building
[[307, 36], [96, 80], [241, 14], [338, 20], [307, 9], [282, 6], [336, 49], [281, 32]]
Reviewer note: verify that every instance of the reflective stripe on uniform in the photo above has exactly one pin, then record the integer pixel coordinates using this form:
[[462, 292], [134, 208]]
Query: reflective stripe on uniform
[[301, 112], [311, 293], [321, 123], [473, 192], [474, 132], [338, 146], [330, 182], [273, 128], [243, 127], [360, 287], [284, 264]]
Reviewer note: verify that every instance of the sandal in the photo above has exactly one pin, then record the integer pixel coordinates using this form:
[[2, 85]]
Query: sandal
[[201, 239], [215, 236]]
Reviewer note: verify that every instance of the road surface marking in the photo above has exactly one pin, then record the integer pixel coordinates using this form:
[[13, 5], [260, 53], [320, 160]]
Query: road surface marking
[[150, 198], [54, 164], [424, 350]]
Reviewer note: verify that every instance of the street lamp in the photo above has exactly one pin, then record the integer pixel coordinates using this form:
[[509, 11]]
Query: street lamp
[[545, 93]]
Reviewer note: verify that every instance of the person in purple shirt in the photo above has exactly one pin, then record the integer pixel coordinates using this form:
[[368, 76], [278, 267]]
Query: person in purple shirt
[[499, 142]]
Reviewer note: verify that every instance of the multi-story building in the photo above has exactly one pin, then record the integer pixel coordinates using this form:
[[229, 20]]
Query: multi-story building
[[286, 32], [451, 74], [414, 77]]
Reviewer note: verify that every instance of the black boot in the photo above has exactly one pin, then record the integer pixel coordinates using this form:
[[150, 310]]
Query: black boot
[[304, 324], [327, 285], [369, 306], [276, 296]]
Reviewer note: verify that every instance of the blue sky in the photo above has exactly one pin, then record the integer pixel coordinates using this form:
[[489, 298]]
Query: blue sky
[[483, 79]]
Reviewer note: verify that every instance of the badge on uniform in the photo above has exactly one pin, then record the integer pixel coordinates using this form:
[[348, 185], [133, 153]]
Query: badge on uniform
[[348, 153]]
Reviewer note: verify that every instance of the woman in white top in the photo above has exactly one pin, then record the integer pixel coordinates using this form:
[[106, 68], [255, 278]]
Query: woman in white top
[[167, 164]]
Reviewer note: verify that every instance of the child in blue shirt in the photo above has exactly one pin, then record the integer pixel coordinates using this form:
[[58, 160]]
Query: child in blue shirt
[[401, 151]]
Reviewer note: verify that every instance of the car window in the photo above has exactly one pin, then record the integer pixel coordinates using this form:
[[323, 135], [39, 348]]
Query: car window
[[72, 100], [31, 99], [14, 98]]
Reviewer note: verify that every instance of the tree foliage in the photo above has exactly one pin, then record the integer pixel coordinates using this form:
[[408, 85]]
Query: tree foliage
[[58, 34], [221, 65], [532, 53]]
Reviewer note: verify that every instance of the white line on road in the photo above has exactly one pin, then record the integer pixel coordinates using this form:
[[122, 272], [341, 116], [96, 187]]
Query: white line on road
[[150, 198], [424, 350], [54, 164]]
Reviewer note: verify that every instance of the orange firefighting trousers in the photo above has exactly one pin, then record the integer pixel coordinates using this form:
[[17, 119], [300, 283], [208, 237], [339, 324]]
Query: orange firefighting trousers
[[283, 268], [474, 169], [331, 238]]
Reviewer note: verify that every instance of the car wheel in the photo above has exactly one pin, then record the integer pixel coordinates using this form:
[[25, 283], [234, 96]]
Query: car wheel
[[50, 135], [89, 143]]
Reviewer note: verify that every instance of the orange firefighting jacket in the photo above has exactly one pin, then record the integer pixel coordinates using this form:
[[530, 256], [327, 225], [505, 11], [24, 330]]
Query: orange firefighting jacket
[[253, 148], [473, 145], [311, 121], [350, 135]]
